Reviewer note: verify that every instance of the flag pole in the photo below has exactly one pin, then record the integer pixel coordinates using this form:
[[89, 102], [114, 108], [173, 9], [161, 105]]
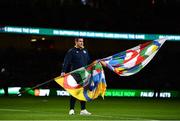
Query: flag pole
[[38, 85]]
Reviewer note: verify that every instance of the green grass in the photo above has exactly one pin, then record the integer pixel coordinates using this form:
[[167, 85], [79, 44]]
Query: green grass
[[56, 108]]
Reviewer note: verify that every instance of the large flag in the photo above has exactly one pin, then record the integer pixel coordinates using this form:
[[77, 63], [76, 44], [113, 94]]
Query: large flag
[[85, 83], [133, 60]]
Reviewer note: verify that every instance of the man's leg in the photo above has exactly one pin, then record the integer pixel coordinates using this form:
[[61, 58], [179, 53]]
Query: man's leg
[[6, 91], [72, 105], [83, 105], [72, 102], [83, 109]]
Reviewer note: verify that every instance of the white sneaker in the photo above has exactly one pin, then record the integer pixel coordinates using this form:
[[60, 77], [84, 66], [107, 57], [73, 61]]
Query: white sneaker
[[71, 112], [85, 112]]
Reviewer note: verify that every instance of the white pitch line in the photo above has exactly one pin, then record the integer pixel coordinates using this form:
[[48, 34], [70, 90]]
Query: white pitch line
[[101, 116], [125, 118], [104, 116], [7, 109], [91, 120]]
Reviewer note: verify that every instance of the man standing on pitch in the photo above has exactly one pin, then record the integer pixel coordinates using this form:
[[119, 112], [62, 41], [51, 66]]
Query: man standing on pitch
[[75, 58]]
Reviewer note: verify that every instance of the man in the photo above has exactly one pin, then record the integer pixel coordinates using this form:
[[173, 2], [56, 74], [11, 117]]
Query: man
[[4, 78], [75, 58]]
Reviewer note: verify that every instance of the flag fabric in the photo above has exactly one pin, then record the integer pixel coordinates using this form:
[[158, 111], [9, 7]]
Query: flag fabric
[[85, 83], [131, 61]]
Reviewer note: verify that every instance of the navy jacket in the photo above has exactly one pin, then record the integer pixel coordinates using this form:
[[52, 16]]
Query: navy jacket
[[75, 58]]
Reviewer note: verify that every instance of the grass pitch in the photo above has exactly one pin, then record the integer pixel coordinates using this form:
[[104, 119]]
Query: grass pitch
[[56, 108]]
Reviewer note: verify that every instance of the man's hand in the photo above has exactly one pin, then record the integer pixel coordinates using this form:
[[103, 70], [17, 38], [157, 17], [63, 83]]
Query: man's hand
[[94, 62], [103, 63], [62, 74]]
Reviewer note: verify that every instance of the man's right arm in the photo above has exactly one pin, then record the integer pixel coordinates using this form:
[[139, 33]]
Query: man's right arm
[[66, 63]]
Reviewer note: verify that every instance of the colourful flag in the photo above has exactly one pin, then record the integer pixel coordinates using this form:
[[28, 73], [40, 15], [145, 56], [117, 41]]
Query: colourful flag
[[133, 60], [85, 83]]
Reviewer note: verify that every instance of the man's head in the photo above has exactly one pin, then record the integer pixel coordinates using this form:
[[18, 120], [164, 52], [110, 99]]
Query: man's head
[[79, 42]]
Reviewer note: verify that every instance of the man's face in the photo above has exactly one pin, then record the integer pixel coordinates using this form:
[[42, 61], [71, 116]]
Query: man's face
[[80, 43]]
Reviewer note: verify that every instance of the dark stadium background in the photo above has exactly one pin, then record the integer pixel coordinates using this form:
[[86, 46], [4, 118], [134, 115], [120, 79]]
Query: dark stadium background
[[31, 63]]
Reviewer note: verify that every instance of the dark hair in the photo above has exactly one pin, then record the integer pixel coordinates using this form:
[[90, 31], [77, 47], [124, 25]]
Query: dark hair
[[76, 39]]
